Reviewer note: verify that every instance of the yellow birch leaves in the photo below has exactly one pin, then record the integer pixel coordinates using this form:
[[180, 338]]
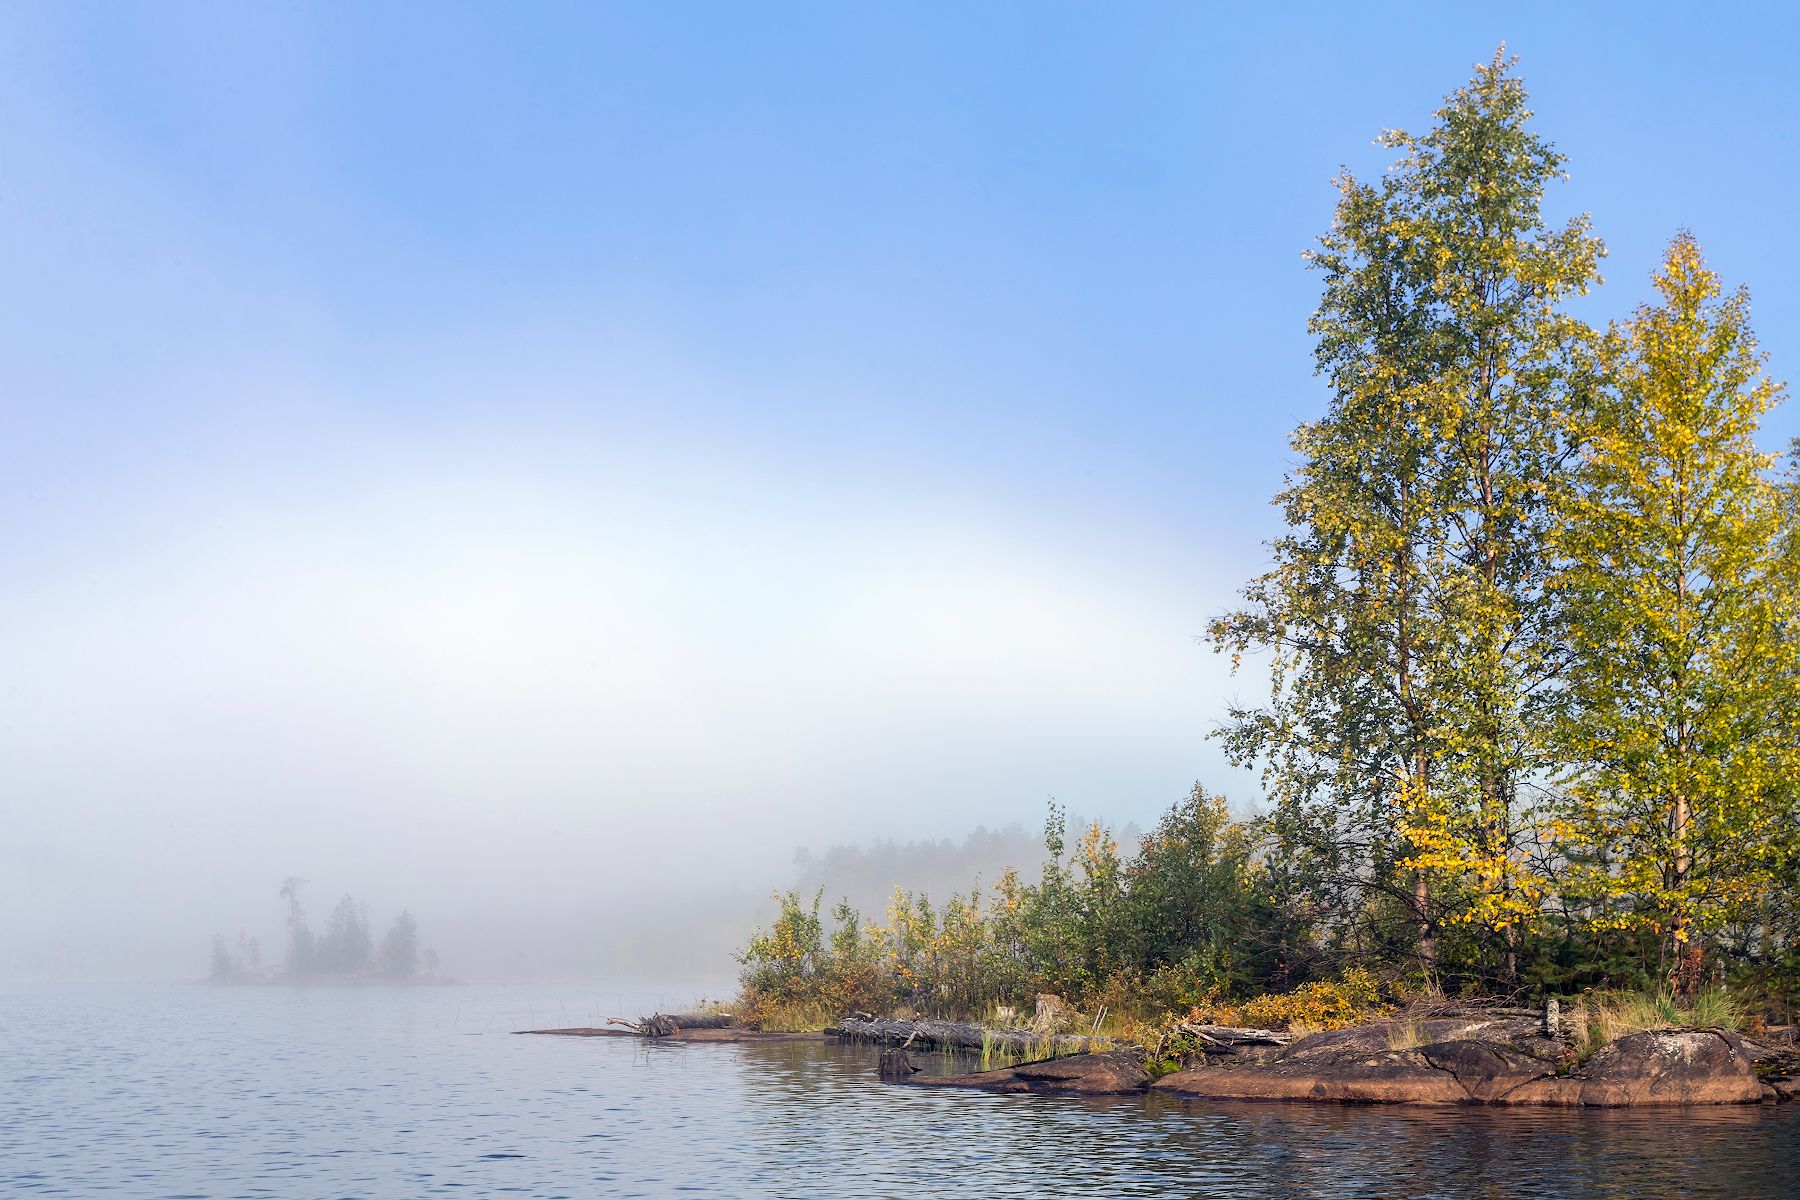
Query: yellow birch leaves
[[1676, 730]]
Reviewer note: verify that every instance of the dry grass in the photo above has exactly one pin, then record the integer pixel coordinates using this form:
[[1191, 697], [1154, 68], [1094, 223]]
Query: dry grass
[[1607, 1017], [1405, 1035], [789, 1017]]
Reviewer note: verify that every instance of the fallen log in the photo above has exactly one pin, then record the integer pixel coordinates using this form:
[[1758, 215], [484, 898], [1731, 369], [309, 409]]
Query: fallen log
[[662, 1025], [729, 1033], [959, 1035]]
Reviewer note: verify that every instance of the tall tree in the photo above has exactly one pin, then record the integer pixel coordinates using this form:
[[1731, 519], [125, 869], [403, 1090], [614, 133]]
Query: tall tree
[[1679, 714], [224, 967], [1508, 365], [301, 943], [1405, 615], [346, 948], [1348, 738]]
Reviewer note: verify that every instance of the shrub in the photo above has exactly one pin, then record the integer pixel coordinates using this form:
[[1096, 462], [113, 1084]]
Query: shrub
[[1354, 998]]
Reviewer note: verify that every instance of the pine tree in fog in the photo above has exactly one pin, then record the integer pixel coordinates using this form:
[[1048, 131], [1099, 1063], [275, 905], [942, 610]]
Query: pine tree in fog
[[249, 954], [346, 947], [400, 948], [223, 966]]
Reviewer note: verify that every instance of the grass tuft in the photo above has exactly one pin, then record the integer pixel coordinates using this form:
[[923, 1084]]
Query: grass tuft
[[1607, 1017], [1405, 1035]]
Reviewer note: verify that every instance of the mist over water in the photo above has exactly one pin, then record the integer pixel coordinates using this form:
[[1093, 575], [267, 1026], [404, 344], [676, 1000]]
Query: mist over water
[[528, 737], [668, 929], [535, 468]]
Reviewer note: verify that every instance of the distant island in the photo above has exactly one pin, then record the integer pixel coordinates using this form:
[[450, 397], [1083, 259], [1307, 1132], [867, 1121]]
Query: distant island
[[345, 952]]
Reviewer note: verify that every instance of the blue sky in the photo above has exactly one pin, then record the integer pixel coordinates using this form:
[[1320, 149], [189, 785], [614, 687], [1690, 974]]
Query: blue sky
[[835, 419]]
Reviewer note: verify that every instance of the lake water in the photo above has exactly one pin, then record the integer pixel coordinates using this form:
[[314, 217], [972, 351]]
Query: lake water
[[322, 1093]]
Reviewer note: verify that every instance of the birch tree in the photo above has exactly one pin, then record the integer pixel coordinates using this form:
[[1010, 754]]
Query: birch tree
[[1405, 619], [1679, 717]]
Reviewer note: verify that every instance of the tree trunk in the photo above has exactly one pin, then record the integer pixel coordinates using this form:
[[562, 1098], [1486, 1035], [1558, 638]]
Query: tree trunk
[[1686, 950], [1427, 940]]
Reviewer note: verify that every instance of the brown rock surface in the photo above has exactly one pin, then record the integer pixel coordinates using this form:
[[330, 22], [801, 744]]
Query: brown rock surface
[[1486, 1071], [1552, 1091], [1786, 1087], [1493, 1063], [1670, 1066], [1385, 1077]]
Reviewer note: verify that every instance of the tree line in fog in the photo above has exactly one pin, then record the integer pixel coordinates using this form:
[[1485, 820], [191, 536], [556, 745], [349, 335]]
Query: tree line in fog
[[345, 950]]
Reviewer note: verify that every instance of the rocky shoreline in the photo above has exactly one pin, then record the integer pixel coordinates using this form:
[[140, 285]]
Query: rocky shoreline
[[1506, 1060], [1485, 1061], [1477, 1062]]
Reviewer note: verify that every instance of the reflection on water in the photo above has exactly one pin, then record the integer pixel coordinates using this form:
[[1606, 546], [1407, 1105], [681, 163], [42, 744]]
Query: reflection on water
[[319, 1093]]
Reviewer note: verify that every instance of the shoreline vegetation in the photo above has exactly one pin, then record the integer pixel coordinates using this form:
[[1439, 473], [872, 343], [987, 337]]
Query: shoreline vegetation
[[1435, 1053], [344, 952], [1532, 729]]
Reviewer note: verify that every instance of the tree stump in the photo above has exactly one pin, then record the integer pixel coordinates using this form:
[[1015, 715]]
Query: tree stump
[[896, 1066]]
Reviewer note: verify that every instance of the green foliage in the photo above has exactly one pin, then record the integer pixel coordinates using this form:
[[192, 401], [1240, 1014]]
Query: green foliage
[[1533, 641], [1157, 930], [1533, 631], [1404, 619], [1677, 729]]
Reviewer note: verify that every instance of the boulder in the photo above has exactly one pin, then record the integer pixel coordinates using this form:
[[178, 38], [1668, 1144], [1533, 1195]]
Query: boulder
[[1553, 1091], [1670, 1066], [1110, 1073], [1381, 1036], [1486, 1071], [1785, 1087], [1772, 1054], [1503, 1064]]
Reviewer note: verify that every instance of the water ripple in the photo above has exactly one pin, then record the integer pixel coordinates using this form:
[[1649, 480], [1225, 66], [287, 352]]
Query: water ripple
[[194, 1092]]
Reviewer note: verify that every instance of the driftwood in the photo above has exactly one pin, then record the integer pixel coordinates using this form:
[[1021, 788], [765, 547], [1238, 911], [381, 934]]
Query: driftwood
[[1432, 1007], [662, 1025], [1222, 1039], [1233, 1035], [958, 1035]]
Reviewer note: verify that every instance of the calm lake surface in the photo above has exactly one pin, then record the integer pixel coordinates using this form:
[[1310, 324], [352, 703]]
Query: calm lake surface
[[320, 1093]]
